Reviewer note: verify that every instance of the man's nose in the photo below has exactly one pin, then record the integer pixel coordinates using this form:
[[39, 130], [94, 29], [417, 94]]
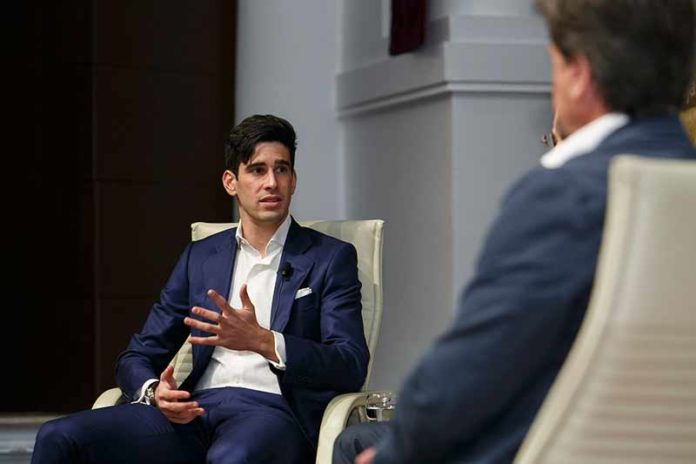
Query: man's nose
[[271, 181]]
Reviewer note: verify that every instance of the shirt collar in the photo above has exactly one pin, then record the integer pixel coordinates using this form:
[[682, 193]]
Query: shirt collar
[[584, 140], [277, 240]]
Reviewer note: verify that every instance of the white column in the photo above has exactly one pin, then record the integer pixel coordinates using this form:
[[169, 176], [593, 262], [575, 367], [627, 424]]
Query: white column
[[431, 140], [286, 65]]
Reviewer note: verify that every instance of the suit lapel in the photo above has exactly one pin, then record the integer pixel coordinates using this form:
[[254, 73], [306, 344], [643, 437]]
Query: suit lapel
[[217, 270], [296, 245], [217, 275]]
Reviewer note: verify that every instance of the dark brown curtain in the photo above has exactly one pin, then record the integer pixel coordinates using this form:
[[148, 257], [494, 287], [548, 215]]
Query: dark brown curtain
[[408, 19]]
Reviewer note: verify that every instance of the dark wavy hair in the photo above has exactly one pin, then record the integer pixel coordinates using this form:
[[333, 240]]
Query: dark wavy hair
[[641, 52], [255, 129]]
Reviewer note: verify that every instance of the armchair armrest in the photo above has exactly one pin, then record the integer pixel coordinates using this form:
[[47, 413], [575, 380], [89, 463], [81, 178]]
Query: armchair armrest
[[343, 410], [108, 398]]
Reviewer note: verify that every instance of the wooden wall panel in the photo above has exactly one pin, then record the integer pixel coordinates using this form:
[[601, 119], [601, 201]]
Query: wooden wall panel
[[119, 114]]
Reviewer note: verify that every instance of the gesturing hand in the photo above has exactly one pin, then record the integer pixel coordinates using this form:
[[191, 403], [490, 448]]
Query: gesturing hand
[[171, 402], [233, 329]]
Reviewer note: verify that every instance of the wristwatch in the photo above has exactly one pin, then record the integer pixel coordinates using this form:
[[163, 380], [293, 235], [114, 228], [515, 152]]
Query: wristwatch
[[150, 394]]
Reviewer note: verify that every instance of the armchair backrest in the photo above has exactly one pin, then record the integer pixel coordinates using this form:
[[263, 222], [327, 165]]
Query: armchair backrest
[[365, 235], [627, 392]]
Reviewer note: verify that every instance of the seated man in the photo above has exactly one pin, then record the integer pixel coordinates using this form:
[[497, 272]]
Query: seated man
[[274, 314], [620, 69]]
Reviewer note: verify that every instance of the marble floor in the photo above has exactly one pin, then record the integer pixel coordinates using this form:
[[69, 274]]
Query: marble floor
[[17, 434]]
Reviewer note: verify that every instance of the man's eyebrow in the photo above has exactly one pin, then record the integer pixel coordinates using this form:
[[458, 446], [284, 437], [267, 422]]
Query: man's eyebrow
[[254, 165], [281, 162]]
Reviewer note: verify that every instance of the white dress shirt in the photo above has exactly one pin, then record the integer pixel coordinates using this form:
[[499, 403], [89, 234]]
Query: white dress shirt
[[583, 140], [231, 368]]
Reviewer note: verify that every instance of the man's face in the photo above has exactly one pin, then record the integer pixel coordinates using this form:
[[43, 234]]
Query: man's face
[[264, 185]]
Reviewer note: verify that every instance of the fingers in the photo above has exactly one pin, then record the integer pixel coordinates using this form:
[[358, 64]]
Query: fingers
[[246, 301], [206, 313], [211, 341], [233, 329], [186, 418], [227, 313], [167, 377], [224, 307], [171, 401], [172, 396], [219, 301], [167, 373], [178, 407], [180, 412], [204, 326]]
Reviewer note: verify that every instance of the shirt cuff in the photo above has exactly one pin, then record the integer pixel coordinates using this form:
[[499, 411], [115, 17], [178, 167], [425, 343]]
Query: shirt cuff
[[141, 394], [279, 343]]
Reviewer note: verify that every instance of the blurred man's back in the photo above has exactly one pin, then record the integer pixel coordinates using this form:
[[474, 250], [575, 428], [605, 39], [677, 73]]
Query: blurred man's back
[[620, 69]]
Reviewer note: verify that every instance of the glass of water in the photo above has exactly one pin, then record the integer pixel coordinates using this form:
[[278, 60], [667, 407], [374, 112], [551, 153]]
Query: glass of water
[[379, 406]]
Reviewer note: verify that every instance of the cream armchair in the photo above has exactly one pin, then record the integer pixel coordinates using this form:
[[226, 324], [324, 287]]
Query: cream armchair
[[627, 391], [367, 237]]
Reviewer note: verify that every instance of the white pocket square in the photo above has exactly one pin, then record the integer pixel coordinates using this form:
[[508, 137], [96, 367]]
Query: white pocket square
[[303, 292]]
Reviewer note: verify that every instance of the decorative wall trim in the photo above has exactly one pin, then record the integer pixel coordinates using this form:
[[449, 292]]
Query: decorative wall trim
[[464, 54], [440, 90]]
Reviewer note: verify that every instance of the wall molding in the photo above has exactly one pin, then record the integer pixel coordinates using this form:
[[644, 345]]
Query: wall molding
[[463, 55]]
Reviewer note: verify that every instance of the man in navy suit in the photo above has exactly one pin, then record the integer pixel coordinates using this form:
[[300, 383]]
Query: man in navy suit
[[273, 313], [620, 69]]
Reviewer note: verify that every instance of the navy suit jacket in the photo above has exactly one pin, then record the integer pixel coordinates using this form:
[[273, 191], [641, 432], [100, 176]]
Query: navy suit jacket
[[476, 392], [324, 339]]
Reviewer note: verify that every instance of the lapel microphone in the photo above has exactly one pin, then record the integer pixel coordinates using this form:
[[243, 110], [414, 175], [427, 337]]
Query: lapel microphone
[[286, 270]]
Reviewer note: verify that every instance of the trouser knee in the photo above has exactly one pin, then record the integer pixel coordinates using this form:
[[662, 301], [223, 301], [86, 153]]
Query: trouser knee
[[51, 432], [54, 440]]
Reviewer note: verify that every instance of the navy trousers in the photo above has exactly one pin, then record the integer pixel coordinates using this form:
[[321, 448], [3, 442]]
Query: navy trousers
[[239, 426], [357, 438]]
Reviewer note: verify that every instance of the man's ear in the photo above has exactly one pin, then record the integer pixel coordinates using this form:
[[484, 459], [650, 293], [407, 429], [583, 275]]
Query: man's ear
[[583, 89], [582, 83], [293, 182], [229, 182]]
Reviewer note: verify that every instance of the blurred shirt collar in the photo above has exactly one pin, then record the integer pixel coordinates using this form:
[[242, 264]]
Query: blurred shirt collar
[[583, 140]]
